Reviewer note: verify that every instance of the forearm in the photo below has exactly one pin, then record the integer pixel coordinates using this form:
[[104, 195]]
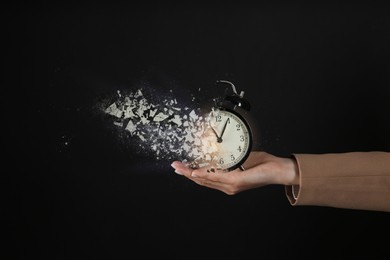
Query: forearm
[[358, 180]]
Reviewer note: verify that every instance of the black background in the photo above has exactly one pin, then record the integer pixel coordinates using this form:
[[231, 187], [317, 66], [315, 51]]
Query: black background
[[317, 76]]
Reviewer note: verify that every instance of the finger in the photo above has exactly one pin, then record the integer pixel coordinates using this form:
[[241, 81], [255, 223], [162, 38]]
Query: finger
[[209, 172], [182, 169]]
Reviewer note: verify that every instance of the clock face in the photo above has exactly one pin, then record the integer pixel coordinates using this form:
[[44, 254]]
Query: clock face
[[231, 137]]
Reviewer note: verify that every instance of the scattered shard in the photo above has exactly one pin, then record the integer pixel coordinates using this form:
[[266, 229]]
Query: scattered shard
[[165, 129]]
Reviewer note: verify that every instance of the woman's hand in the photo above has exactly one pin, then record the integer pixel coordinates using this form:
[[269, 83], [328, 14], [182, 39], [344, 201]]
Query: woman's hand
[[261, 169]]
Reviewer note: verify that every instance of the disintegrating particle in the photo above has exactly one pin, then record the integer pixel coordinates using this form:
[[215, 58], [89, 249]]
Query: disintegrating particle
[[166, 129], [65, 142]]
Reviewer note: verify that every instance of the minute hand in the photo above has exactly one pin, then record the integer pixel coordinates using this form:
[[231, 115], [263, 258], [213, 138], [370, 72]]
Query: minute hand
[[224, 128]]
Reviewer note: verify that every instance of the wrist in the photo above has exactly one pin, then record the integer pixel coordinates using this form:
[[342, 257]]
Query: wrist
[[289, 172]]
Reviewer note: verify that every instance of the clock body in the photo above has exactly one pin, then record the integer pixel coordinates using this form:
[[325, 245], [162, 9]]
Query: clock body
[[233, 138]]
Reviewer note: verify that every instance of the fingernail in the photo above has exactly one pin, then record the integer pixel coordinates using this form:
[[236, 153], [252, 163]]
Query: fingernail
[[178, 173], [194, 175], [174, 165]]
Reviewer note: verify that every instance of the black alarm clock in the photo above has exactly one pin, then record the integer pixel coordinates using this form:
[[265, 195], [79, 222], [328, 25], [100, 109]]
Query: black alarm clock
[[233, 136]]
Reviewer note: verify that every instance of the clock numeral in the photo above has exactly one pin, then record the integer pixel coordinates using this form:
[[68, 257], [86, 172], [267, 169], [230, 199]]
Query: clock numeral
[[242, 138], [239, 149], [232, 157], [221, 161], [238, 127], [218, 118]]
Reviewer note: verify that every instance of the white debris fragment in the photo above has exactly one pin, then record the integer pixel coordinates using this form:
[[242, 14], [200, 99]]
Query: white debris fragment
[[114, 110], [193, 115], [138, 94], [176, 120], [152, 112], [168, 130], [128, 113], [144, 120], [118, 123], [131, 127], [160, 117]]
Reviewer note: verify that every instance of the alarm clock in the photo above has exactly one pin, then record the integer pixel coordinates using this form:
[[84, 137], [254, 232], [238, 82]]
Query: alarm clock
[[229, 123]]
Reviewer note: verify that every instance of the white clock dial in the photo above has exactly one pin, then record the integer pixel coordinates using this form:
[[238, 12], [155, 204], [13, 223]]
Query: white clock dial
[[232, 139]]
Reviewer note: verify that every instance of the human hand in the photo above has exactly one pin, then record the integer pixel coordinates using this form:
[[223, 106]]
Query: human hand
[[261, 169]]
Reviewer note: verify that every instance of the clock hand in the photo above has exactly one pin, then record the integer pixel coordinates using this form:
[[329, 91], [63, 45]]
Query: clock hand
[[224, 128], [219, 139]]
